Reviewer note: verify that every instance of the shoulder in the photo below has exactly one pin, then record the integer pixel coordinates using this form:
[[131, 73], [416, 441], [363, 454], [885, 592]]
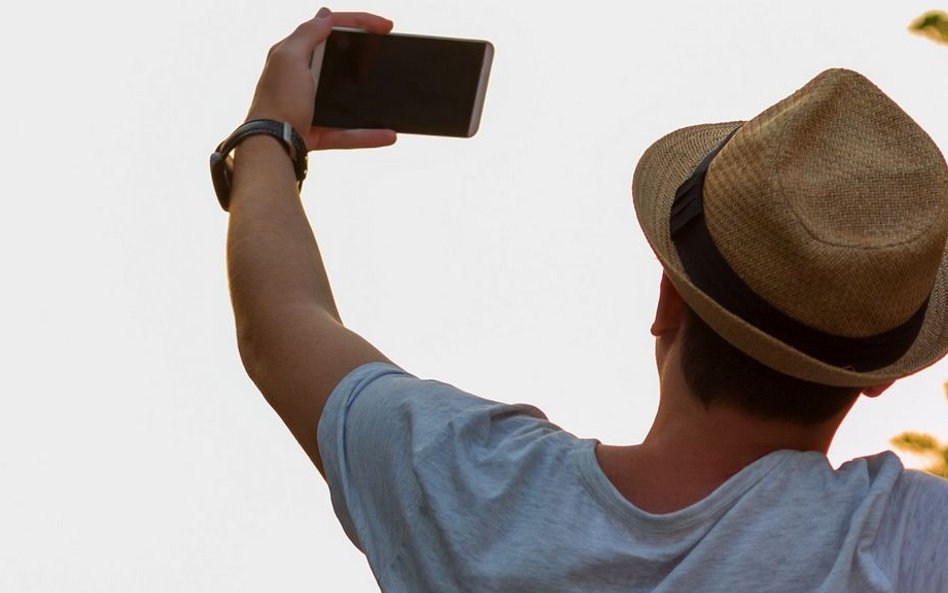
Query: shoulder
[[405, 456], [921, 499], [913, 533], [383, 393], [381, 406], [917, 486]]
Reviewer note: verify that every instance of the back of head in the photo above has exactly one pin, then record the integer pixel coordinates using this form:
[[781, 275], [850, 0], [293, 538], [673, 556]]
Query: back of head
[[719, 374]]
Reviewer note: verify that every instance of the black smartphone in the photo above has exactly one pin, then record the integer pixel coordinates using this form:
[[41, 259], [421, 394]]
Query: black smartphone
[[408, 83]]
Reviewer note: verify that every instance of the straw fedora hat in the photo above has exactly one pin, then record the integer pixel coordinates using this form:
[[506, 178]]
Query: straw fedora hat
[[811, 237]]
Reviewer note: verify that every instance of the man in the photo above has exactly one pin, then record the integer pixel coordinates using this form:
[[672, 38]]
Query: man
[[804, 265]]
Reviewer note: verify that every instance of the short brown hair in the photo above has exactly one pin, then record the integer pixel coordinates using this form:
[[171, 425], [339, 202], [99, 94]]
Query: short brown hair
[[720, 374]]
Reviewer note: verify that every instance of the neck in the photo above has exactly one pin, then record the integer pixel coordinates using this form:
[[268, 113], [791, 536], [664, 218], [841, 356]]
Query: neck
[[691, 450], [724, 437]]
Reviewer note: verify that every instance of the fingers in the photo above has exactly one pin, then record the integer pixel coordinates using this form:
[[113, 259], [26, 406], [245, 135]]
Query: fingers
[[308, 35], [292, 58], [362, 20], [330, 138]]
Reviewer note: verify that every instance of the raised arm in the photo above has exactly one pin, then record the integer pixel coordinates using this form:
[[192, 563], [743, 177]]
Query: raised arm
[[291, 339]]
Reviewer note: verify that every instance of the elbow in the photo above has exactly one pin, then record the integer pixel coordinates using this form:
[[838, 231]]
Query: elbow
[[249, 351]]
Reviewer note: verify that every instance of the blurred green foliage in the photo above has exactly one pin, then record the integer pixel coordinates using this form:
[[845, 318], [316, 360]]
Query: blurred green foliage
[[933, 24], [926, 446]]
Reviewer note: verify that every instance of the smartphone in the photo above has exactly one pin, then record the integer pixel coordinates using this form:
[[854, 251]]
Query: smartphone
[[408, 83]]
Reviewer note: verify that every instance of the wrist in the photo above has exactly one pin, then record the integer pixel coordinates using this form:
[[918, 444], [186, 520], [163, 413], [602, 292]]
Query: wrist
[[265, 157], [263, 148]]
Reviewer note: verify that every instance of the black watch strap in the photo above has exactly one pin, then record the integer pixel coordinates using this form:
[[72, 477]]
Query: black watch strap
[[222, 163]]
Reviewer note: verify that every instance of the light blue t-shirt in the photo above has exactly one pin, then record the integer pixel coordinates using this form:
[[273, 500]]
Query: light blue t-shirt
[[445, 492]]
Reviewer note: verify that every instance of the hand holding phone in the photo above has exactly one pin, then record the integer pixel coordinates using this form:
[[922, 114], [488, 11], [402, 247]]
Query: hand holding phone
[[285, 90], [407, 83]]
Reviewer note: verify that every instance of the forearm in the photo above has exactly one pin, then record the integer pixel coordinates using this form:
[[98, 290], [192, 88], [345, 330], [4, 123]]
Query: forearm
[[273, 261]]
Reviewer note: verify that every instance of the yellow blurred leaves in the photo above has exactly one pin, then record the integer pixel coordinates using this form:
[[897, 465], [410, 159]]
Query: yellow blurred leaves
[[933, 24], [927, 446]]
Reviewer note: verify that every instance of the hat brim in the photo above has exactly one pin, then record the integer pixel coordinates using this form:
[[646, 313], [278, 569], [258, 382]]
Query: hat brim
[[661, 170]]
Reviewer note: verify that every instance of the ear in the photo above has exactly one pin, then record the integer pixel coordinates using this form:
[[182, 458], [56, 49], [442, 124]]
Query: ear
[[668, 314], [876, 390]]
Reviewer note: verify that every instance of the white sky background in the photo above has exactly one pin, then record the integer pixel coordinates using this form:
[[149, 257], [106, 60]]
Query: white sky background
[[135, 455]]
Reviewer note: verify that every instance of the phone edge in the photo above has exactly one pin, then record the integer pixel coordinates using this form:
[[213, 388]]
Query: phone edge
[[316, 68], [481, 95]]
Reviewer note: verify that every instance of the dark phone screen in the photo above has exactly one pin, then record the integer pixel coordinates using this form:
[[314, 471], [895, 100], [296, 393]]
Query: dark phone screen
[[409, 84]]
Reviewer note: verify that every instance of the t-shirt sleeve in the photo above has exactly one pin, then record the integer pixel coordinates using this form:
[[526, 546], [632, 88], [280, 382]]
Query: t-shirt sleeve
[[383, 432]]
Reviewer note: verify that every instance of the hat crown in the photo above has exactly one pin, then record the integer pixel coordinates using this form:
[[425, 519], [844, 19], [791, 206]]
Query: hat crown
[[832, 205]]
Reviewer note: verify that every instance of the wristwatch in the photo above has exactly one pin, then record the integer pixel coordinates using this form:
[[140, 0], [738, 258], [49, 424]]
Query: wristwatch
[[222, 162]]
